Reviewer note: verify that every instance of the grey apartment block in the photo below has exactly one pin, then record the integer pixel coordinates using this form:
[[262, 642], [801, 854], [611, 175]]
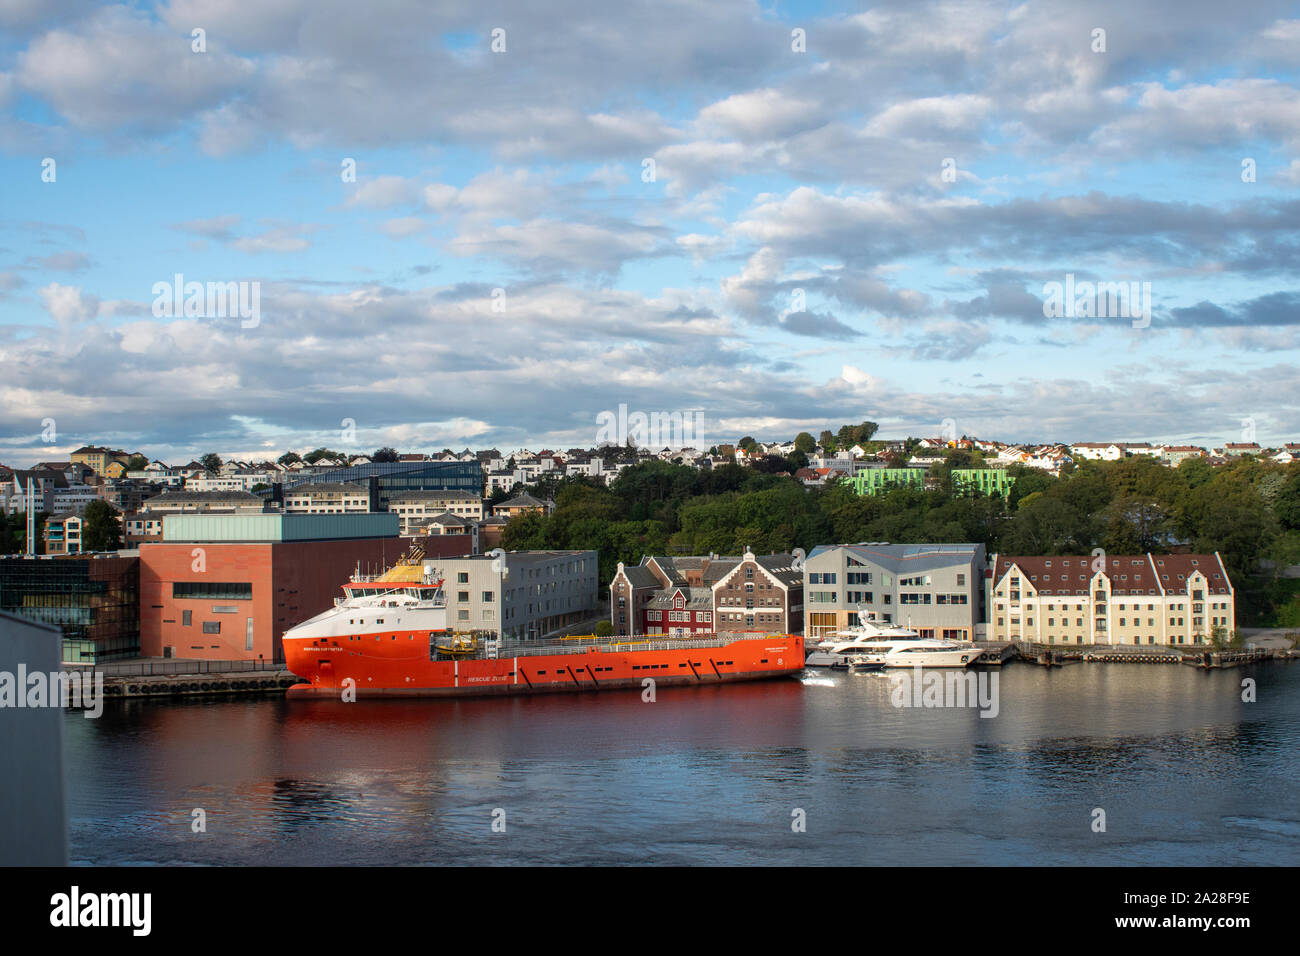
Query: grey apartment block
[[519, 595], [937, 589]]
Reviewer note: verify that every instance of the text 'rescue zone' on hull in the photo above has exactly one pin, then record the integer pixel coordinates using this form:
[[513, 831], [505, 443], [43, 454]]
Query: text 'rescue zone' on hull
[[399, 665]]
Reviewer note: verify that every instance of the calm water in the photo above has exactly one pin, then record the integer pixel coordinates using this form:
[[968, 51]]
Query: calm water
[[1186, 772]]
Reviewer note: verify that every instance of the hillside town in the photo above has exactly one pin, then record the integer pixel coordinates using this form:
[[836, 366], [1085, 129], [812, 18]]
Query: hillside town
[[141, 490]]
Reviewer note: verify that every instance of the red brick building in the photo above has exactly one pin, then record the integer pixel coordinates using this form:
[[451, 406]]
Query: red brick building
[[227, 587], [682, 596]]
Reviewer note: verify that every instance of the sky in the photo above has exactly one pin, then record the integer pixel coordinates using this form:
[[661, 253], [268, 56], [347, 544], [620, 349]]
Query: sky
[[485, 224]]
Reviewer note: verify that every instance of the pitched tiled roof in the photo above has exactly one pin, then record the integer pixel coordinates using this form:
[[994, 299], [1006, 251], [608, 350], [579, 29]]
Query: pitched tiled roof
[[697, 599], [1129, 574], [522, 501], [780, 566], [446, 518]]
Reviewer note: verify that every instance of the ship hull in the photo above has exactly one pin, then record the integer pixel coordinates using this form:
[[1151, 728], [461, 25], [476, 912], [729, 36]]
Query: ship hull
[[400, 668]]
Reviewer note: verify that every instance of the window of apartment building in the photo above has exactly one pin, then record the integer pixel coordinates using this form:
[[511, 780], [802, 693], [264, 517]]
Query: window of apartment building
[[211, 627], [187, 618], [462, 597], [488, 597], [463, 614], [231, 591], [462, 577]]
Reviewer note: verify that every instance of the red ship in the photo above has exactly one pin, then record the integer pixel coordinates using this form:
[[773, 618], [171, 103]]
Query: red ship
[[390, 637]]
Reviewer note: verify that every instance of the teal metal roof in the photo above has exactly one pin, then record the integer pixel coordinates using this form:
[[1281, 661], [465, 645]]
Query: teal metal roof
[[278, 527]]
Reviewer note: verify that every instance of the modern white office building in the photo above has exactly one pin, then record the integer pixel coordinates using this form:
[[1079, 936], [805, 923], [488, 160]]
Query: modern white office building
[[937, 589]]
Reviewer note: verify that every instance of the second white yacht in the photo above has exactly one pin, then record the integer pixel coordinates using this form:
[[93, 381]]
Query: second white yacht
[[872, 645]]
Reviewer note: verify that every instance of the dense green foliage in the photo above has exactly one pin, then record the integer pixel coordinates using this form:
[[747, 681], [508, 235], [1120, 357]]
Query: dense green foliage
[[1247, 511], [13, 532], [100, 529]]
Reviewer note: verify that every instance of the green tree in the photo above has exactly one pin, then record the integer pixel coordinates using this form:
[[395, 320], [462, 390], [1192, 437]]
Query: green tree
[[137, 463], [211, 461], [12, 532], [100, 529], [384, 455], [771, 465], [1047, 525], [289, 458], [805, 443], [314, 456], [1287, 504]]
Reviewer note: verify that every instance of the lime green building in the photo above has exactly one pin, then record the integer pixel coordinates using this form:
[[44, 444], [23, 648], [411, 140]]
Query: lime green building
[[987, 481]]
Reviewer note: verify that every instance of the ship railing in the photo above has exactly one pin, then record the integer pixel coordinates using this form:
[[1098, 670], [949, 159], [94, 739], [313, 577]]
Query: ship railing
[[626, 643]]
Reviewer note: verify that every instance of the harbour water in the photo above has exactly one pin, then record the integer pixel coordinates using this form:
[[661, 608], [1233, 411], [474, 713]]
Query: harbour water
[[1186, 772]]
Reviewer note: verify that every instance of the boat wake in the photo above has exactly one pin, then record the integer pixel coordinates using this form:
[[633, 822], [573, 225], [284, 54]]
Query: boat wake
[[816, 681], [1290, 828]]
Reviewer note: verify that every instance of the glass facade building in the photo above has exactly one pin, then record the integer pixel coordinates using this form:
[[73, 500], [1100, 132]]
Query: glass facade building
[[95, 601], [386, 479]]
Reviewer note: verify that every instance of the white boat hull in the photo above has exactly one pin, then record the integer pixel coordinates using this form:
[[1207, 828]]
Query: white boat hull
[[958, 657], [955, 658]]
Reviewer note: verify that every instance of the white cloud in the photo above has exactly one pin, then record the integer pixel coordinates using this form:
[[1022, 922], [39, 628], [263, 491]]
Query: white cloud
[[119, 70], [761, 115], [383, 192]]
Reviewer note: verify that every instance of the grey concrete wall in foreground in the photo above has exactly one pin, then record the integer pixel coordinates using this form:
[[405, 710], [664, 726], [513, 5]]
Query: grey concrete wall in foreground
[[33, 815]]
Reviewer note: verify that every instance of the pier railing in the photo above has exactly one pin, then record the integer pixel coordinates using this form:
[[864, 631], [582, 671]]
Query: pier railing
[[165, 668]]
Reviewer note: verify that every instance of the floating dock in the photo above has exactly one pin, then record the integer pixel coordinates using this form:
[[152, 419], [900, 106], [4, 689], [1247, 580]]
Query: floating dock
[[174, 678]]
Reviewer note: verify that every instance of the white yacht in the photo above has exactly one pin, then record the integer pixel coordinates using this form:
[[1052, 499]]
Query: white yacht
[[871, 645]]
